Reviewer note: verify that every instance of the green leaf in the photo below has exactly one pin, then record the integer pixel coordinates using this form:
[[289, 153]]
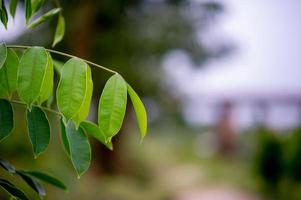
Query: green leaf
[[58, 65], [47, 178], [7, 166], [44, 17], [31, 74], [13, 190], [60, 30], [9, 74], [72, 87], [36, 5], [28, 10], [139, 110], [35, 185], [6, 119], [13, 7], [85, 107], [64, 138], [93, 130], [3, 54], [38, 129], [112, 106], [47, 85], [79, 146], [3, 14]]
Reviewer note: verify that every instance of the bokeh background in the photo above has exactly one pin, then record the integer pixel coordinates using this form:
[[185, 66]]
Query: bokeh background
[[221, 83]]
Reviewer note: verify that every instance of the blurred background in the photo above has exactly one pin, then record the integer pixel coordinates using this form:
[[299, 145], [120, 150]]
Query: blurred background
[[221, 83]]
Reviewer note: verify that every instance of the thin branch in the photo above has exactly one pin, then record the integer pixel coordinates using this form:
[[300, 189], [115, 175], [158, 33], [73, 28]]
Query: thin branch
[[42, 107], [66, 55]]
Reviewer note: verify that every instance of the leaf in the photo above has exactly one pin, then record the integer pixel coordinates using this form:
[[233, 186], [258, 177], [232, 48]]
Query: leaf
[[35, 185], [31, 73], [58, 65], [60, 30], [3, 14], [6, 119], [93, 130], [8, 74], [44, 17], [79, 146], [13, 190], [3, 54], [112, 106], [64, 138], [38, 129], [7, 166], [47, 178], [13, 7], [139, 110], [85, 107], [36, 5], [28, 10], [47, 85], [72, 87]]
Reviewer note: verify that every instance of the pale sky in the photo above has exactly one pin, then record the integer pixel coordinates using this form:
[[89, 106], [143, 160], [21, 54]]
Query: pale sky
[[267, 62]]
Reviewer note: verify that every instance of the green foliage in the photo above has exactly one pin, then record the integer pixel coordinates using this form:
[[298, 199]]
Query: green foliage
[[31, 9], [140, 111], [79, 148], [3, 13], [8, 74], [44, 17], [112, 106], [74, 89], [3, 54], [39, 130], [31, 178], [93, 130], [269, 155], [29, 82], [13, 7], [31, 74], [28, 10], [6, 119], [60, 30], [32, 78], [7, 166], [46, 178], [13, 190], [35, 185]]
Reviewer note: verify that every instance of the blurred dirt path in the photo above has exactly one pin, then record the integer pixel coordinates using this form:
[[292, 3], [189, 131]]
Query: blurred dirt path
[[215, 193]]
